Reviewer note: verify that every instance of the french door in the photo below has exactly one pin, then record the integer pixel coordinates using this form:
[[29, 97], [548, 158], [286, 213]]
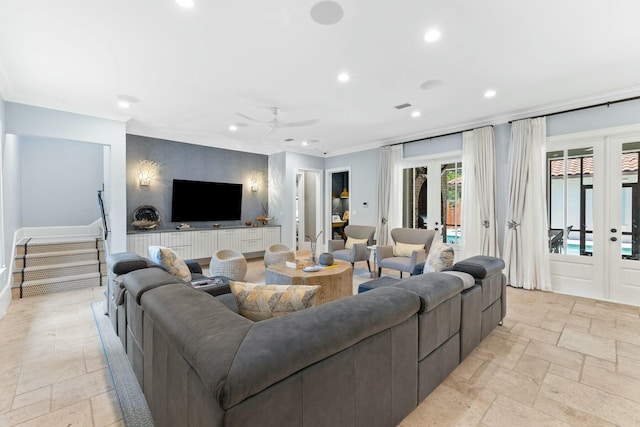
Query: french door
[[432, 196], [593, 198]]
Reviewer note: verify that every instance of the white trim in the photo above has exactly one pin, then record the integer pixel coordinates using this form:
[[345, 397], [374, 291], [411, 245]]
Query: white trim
[[412, 162], [595, 134], [327, 193]]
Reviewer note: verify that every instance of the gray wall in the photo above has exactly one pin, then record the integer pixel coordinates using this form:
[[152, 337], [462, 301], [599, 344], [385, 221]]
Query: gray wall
[[192, 162], [59, 181], [363, 184]]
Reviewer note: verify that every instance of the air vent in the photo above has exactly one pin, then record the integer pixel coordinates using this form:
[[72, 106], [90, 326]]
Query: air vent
[[401, 106], [288, 140]]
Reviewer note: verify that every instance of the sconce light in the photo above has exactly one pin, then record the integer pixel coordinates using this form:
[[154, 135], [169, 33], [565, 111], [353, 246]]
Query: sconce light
[[255, 182], [147, 171]]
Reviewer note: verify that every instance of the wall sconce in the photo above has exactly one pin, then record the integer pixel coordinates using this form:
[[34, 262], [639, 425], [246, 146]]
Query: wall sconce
[[147, 171], [255, 181]]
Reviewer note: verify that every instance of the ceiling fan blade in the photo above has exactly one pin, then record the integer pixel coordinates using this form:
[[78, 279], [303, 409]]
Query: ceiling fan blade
[[250, 118], [298, 124]]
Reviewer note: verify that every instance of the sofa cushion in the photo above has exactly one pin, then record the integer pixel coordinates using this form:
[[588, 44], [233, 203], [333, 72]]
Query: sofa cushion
[[260, 302], [170, 261], [124, 262], [480, 266], [405, 249], [351, 241], [139, 281], [440, 256], [467, 280]]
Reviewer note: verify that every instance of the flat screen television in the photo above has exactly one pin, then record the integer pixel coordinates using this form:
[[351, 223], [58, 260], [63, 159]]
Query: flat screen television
[[205, 201]]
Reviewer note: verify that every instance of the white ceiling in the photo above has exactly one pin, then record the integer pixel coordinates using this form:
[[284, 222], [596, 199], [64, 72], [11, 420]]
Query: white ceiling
[[193, 69]]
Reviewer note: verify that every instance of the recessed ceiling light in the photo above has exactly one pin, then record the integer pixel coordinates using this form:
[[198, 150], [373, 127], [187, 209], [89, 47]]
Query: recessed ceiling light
[[343, 77], [124, 104], [432, 35], [490, 93], [233, 128], [125, 101], [188, 4], [415, 114], [305, 143]]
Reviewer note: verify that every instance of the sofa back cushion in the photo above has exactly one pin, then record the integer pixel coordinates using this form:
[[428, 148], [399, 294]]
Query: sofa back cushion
[[260, 302]]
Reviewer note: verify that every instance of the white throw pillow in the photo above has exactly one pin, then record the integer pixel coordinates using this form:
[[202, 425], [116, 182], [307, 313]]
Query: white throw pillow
[[406, 249], [351, 241]]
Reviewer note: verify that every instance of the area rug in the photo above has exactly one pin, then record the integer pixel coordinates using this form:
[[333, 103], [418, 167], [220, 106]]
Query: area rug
[[135, 411]]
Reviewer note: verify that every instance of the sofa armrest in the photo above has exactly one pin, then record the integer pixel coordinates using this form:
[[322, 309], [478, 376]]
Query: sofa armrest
[[383, 252], [359, 251], [276, 348], [480, 266], [125, 262], [193, 265], [433, 288], [335, 245], [418, 256]]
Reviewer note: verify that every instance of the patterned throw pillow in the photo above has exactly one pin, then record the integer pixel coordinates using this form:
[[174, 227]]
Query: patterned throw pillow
[[260, 302], [440, 256], [351, 241], [170, 261], [405, 249]]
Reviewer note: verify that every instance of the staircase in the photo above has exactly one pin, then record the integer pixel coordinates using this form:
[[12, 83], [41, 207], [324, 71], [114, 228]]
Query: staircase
[[46, 265]]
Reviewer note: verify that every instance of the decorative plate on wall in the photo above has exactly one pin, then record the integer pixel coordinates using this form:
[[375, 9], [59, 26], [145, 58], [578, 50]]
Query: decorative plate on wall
[[146, 217]]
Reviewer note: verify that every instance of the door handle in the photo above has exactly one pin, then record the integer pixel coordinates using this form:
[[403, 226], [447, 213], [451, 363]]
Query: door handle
[[614, 239], [613, 230], [436, 229]]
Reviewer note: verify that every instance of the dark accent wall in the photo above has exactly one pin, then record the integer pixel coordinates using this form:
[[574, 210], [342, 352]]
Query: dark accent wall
[[180, 160]]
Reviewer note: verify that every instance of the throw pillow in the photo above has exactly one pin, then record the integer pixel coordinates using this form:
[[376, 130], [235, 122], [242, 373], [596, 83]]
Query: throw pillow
[[260, 302], [170, 261], [440, 256], [405, 249], [351, 241]]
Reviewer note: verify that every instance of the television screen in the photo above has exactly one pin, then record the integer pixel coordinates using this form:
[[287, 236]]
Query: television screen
[[205, 201]]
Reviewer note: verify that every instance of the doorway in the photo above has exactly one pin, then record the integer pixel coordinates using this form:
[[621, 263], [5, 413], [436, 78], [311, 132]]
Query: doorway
[[308, 199], [593, 198], [339, 199]]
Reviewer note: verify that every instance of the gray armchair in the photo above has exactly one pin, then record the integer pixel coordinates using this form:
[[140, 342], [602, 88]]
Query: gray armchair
[[357, 251], [386, 257]]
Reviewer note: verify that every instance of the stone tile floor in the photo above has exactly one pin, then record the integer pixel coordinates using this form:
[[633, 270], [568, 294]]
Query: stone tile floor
[[558, 360]]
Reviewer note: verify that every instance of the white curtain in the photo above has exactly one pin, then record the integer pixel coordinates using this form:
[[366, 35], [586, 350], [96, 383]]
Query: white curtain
[[526, 244], [479, 227], [389, 192]]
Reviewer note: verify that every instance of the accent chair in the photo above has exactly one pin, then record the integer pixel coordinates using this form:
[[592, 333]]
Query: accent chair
[[410, 248], [355, 248]]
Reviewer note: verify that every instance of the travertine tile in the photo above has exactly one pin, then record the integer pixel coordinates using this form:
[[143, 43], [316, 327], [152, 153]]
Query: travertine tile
[[570, 374], [94, 358], [6, 397], [628, 366], [507, 412], [81, 387], [604, 348], [106, 409], [568, 318], [611, 382], [31, 397], [507, 382], [499, 351], [532, 367], [78, 414], [525, 313], [599, 363], [560, 356], [468, 367], [631, 351], [602, 312], [591, 400], [37, 373], [538, 334], [25, 413], [567, 414], [620, 331]]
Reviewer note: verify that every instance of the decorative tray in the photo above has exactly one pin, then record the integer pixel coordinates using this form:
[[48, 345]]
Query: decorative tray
[[146, 217]]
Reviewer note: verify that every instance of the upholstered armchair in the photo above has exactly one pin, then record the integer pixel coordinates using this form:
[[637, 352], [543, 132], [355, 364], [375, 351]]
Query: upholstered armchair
[[410, 248], [355, 248]]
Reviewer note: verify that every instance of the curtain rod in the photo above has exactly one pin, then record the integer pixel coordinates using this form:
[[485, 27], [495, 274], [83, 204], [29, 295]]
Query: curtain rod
[[586, 107], [436, 136]]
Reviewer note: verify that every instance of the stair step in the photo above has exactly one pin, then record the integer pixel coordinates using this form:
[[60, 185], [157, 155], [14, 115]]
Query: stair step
[[59, 284], [51, 271], [48, 258]]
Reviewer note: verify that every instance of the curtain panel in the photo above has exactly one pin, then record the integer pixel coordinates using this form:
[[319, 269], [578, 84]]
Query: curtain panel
[[389, 192], [526, 238], [479, 226]]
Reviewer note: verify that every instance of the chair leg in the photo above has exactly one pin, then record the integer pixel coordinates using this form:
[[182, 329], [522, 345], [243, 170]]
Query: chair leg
[[401, 274], [353, 265], [369, 266], [379, 271]]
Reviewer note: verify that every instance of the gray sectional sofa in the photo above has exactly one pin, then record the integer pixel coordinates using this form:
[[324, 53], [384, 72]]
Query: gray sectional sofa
[[368, 359]]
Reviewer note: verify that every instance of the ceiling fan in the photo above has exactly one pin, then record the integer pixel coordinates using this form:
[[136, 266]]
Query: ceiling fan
[[275, 123]]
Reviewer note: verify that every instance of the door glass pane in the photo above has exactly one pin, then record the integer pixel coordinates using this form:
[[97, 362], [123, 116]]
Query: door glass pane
[[451, 208], [570, 201], [414, 197], [630, 245]]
